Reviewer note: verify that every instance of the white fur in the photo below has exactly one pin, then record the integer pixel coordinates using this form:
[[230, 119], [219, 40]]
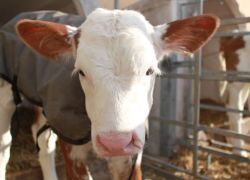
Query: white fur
[[115, 59], [158, 44], [7, 108], [71, 31], [47, 144], [120, 167]]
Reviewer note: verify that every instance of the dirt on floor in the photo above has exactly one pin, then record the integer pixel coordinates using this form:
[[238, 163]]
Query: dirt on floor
[[218, 168], [215, 167]]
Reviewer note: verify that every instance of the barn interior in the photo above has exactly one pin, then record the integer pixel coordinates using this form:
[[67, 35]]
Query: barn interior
[[189, 130]]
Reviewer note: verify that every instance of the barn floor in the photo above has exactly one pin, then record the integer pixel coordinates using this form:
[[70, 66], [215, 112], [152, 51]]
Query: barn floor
[[24, 165], [219, 167]]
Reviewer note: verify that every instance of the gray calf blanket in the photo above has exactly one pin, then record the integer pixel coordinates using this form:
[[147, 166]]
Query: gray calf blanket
[[46, 83]]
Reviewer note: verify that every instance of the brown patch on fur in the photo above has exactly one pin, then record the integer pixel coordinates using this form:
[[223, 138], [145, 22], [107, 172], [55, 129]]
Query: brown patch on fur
[[190, 34], [48, 38], [228, 48], [75, 170], [137, 173], [36, 115]]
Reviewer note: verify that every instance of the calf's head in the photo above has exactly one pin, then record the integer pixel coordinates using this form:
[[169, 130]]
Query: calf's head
[[116, 56]]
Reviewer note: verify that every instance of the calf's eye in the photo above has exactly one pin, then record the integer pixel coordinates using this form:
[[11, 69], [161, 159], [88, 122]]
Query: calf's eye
[[81, 73], [149, 71]]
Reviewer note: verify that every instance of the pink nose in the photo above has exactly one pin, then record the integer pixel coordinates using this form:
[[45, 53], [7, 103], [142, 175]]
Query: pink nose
[[118, 144], [114, 142]]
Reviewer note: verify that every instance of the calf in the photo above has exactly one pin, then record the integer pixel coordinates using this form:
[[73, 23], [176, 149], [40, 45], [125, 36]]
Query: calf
[[234, 52], [115, 57]]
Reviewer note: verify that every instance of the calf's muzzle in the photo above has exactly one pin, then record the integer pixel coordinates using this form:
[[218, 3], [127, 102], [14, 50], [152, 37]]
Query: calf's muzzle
[[118, 144]]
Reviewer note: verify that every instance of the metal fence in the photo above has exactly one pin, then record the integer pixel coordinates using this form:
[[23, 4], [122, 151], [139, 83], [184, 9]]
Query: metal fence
[[196, 76]]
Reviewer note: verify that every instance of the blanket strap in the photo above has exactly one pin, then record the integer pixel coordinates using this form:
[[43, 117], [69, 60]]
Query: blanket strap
[[16, 94], [67, 140]]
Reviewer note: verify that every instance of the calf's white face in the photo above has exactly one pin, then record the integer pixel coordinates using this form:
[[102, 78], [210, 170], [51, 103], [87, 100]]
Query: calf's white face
[[117, 57], [117, 53]]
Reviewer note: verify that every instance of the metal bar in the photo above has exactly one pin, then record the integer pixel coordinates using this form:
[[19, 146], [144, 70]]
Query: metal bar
[[188, 63], [223, 144], [225, 154], [226, 75], [228, 72], [85, 7], [195, 2], [206, 128], [218, 143], [164, 163], [168, 65], [225, 34], [224, 78], [117, 4], [242, 73], [224, 132], [220, 152], [158, 162], [223, 109], [237, 20], [197, 91], [178, 75], [212, 76], [173, 122]]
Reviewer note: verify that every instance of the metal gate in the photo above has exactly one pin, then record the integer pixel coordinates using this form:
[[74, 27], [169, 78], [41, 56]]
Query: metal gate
[[192, 126]]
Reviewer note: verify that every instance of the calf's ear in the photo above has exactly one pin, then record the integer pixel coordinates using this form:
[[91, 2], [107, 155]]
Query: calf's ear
[[48, 38], [185, 35]]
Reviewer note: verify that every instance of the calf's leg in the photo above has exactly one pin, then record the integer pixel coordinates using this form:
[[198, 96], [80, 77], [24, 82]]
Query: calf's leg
[[7, 109], [47, 146], [238, 94]]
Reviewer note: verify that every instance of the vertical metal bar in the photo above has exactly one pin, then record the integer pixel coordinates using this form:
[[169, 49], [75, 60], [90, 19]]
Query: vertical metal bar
[[197, 105], [117, 4], [85, 7]]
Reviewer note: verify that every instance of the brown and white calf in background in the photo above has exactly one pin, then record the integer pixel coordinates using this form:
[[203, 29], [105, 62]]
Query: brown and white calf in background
[[116, 57], [234, 52]]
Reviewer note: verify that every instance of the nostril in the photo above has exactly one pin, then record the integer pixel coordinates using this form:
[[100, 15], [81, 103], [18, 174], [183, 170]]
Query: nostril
[[114, 141]]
